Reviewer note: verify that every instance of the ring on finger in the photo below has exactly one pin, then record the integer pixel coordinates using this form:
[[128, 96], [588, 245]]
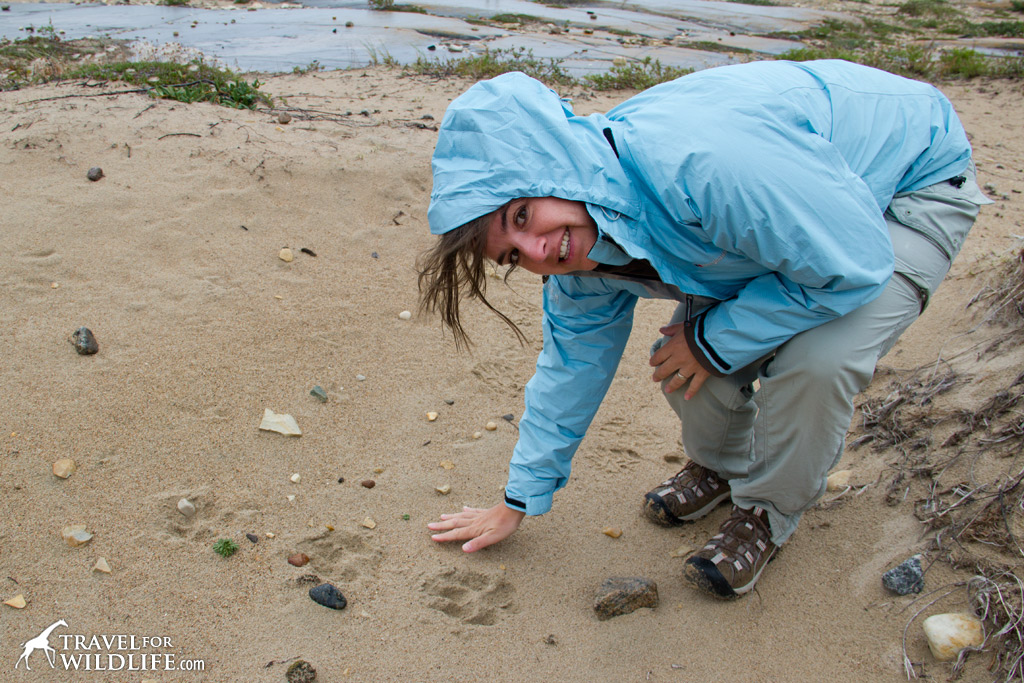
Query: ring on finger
[[681, 376]]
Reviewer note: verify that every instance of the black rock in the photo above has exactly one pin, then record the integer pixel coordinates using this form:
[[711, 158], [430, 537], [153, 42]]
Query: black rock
[[508, 417], [300, 671], [906, 578], [624, 595], [94, 173], [84, 342], [327, 595], [253, 538]]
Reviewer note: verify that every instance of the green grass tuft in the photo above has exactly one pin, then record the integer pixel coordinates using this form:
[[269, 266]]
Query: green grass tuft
[[637, 75], [494, 63], [225, 547]]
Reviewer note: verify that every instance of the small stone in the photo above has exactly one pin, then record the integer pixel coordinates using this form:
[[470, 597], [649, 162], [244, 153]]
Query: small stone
[[478, 435], [405, 315], [75, 535], [84, 341], [300, 671], [270, 534], [368, 523], [449, 401], [17, 602], [94, 173], [298, 560], [838, 480], [291, 498], [349, 24], [253, 538], [101, 566], [431, 416], [284, 118], [490, 426], [286, 255], [280, 423], [295, 478], [327, 595], [447, 464], [378, 470], [443, 490], [612, 531], [671, 457], [368, 483], [508, 417], [318, 393], [186, 507], [308, 580], [682, 551], [360, 378], [64, 468], [948, 634], [906, 578], [624, 595], [341, 480]]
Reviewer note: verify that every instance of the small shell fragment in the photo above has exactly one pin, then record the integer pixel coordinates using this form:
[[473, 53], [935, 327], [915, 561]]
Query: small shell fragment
[[17, 602], [75, 535], [405, 315], [838, 480], [447, 464], [948, 634], [286, 255], [431, 416], [443, 490], [64, 468], [280, 423], [612, 531], [369, 523], [295, 478], [101, 566]]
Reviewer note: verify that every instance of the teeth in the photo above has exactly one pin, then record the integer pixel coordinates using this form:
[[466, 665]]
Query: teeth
[[563, 250]]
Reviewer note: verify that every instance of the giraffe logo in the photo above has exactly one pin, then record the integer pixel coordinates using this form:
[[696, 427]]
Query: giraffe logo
[[40, 642]]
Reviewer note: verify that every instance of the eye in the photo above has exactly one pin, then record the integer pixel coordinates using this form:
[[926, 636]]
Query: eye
[[520, 217]]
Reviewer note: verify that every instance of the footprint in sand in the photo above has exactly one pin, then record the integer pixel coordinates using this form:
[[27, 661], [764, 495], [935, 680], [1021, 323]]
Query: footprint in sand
[[470, 596]]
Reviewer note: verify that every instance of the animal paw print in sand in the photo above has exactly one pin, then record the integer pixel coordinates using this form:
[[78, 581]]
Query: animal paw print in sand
[[207, 523], [342, 555], [614, 453], [473, 597]]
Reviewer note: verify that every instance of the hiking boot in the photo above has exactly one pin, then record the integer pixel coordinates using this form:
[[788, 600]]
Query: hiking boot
[[692, 493], [732, 561]]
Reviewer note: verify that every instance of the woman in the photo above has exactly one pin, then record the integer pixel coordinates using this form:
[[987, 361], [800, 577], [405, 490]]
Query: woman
[[801, 214]]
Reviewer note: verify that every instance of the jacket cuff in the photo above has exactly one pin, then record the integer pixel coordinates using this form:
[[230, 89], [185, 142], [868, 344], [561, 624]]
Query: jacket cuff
[[531, 505], [694, 335]]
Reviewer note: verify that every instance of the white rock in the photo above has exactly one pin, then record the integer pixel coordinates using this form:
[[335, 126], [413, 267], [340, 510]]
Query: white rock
[[369, 523], [477, 435], [286, 255], [291, 498], [490, 426], [64, 468], [948, 634], [280, 423], [295, 478], [838, 480], [186, 507], [431, 416], [75, 535], [101, 566], [443, 490], [360, 378], [405, 315], [682, 551]]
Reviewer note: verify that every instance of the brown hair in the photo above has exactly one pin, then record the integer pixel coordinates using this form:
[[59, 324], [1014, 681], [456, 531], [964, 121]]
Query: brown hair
[[456, 267]]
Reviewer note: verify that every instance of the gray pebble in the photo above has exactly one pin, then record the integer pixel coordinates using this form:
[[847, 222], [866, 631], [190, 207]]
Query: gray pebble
[[508, 417], [253, 538], [327, 595], [84, 341], [94, 174], [906, 578], [300, 671], [622, 595]]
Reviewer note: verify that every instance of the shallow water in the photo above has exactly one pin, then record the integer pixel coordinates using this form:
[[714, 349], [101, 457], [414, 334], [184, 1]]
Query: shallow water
[[279, 39]]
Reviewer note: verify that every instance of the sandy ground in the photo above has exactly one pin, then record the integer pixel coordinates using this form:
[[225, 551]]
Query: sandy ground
[[172, 261]]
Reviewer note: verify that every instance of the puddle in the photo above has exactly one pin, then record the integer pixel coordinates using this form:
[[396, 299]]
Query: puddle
[[276, 39]]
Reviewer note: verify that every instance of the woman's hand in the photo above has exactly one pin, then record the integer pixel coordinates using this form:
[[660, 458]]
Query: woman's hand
[[674, 361], [480, 528]]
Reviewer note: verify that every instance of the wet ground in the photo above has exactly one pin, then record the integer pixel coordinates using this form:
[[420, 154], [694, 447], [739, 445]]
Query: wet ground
[[344, 33]]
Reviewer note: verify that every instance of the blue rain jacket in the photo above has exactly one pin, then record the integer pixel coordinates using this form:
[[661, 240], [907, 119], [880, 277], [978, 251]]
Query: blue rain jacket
[[761, 186]]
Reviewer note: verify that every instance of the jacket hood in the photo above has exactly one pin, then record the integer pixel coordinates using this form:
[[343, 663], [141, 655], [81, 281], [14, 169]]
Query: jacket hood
[[511, 137]]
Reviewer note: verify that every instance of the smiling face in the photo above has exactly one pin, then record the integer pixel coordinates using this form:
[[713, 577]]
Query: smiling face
[[544, 235]]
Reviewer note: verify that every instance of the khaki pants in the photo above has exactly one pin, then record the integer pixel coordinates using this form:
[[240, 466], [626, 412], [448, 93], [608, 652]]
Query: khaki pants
[[776, 445]]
